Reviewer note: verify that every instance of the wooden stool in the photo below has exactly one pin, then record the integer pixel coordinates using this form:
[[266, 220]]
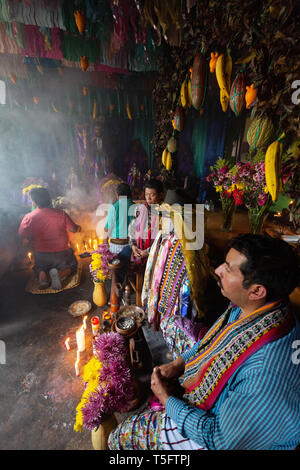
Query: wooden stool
[[138, 271]]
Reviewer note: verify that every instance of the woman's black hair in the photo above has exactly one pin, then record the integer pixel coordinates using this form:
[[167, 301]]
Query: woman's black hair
[[41, 197], [271, 262]]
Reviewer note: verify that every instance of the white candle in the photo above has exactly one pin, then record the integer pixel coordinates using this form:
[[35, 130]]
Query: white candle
[[77, 368], [80, 338], [67, 344], [78, 356]]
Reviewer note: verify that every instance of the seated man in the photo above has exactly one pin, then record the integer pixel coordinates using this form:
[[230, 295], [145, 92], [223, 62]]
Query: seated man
[[143, 229], [48, 229], [118, 220], [241, 381]]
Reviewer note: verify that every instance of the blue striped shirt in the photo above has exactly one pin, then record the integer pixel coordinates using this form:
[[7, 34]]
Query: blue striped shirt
[[258, 409]]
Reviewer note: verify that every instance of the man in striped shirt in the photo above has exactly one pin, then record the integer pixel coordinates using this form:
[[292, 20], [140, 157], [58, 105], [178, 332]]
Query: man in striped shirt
[[242, 380]]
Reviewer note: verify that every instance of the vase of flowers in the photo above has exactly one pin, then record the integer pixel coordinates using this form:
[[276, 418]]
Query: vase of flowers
[[100, 272], [108, 387], [251, 190], [221, 178]]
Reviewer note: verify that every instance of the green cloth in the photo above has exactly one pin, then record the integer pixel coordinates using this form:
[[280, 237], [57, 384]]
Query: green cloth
[[118, 220]]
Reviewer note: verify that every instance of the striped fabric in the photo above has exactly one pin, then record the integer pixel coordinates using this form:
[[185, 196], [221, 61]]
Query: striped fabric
[[259, 407]]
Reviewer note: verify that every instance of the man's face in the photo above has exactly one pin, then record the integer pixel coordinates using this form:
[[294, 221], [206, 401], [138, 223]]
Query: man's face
[[151, 196], [231, 278]]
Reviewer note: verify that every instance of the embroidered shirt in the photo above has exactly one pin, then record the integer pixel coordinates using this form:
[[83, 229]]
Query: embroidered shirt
[[259, 408]]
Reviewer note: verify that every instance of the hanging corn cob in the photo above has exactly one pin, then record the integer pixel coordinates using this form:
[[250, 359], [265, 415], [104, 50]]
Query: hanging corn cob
[[273, 166]]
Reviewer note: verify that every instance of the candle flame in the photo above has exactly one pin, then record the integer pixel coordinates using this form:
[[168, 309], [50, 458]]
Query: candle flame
[[106, 316], [84, 322], [67, 344], [29, 255]]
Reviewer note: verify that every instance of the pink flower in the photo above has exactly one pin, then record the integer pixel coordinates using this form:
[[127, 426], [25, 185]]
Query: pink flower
[[262, 199]]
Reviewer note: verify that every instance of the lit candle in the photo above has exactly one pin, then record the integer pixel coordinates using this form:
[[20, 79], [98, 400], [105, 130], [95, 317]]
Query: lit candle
[[78, 356], [77, 246], [29, 256], [85, 247], [80, 338], [90, 242], [67, 344], [95, 245], [77, 368], [84, 322]]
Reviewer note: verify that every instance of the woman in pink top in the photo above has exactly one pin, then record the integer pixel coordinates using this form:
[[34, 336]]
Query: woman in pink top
[[48, 228]]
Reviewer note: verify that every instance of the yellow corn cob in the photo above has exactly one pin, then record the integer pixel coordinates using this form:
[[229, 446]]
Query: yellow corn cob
[[169, 161], [272, 167], [164, 157], [228, 70], [184, 94], [223, 73]]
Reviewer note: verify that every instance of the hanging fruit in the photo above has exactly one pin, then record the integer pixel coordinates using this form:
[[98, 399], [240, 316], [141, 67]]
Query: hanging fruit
[[172, 144], [164, 156], [35, 99], [260, 132], [198, 84], [169, 161], [80, 20], [224, 100], [250, 96], [184, 93], [85, 90], [178, 119], [84, 62], [223, 72], [237, 94], [273, 167], [213, 61]]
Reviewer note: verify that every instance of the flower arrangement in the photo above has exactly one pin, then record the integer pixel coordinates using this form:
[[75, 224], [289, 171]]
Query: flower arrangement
[[109, 386], [243, 184], [99, 264]]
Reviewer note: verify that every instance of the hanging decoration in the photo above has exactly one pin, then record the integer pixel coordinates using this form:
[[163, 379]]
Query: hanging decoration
[[213, 61], [273, 167], [80, 20], [250, 96], [178, 119], [198, 81], [260, 132], [84, 63], [237, 94]]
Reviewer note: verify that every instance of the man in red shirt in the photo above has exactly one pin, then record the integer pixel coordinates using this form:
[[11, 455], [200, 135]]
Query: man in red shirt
[[48, 228]]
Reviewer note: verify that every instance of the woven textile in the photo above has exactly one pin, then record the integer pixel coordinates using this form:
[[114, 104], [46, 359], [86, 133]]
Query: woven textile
[[225, 348], [174, 272]]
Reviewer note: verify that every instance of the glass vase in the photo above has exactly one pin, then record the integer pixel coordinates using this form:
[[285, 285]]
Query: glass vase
[[228, 207], [256, 220]]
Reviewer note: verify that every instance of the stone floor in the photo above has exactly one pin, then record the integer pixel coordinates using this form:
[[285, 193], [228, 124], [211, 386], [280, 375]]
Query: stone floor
[[39, 391]]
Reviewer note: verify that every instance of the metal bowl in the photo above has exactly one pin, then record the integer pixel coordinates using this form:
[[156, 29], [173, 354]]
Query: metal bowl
[[125, 325], [132, 311]]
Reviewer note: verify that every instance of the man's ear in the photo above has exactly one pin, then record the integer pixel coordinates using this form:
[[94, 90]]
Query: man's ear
[[257, 292]]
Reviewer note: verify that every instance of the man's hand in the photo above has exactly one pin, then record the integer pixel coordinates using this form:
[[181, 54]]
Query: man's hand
[[136, 251], [160, 386], [172, 369]]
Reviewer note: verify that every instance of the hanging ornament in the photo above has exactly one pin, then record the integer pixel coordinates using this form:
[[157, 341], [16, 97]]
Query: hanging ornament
[[128, 111], [213, 61], [84, 62], [198, 80], [237, 94], [178, 119], [85, 90], [260, 132], [250, 96], [80, 20], [35, 100]]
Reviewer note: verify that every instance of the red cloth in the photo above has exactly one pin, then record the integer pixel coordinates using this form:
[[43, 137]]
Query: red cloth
[[48, 228]]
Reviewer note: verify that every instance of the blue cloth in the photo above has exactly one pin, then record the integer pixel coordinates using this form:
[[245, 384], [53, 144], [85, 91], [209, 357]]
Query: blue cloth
[[258, 409], [117, 220]]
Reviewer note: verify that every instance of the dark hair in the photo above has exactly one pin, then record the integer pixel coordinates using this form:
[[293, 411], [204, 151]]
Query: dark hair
[[271, 262], [155, 184], [124, 190], [41, 197]]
